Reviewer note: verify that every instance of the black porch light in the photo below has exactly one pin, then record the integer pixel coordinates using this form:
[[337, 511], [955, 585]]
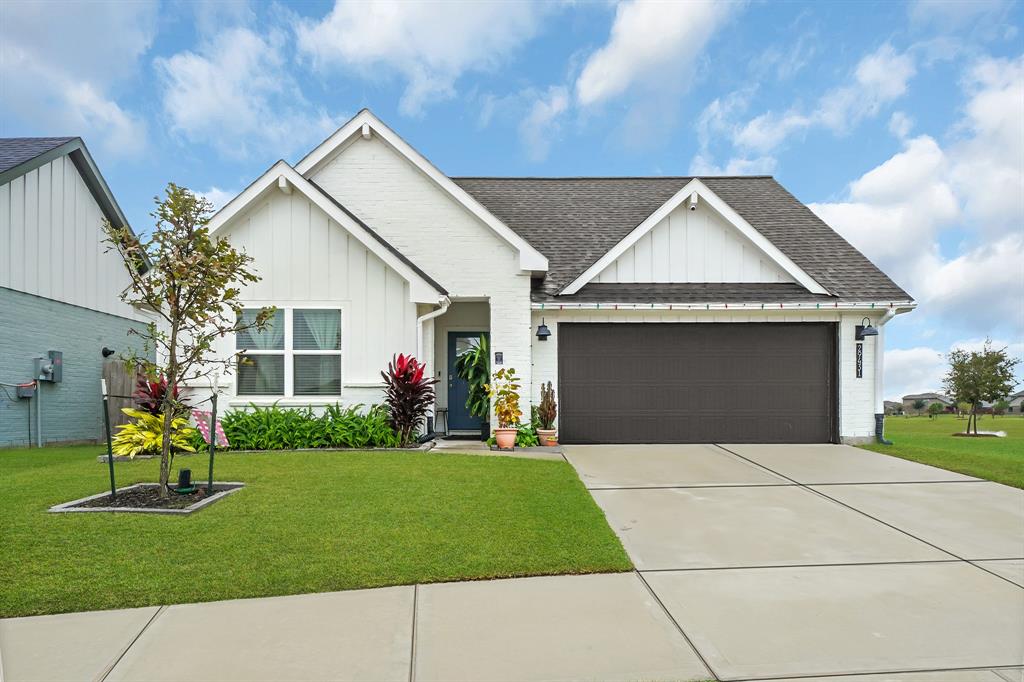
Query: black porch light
[[864, 329], [542, 331]]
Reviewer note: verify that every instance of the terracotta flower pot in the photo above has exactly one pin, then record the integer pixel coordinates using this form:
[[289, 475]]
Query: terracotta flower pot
[[547, 437], [506, 438]]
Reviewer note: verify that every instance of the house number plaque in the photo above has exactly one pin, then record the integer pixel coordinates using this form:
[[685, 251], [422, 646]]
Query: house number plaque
[[499, 358], [860, 360]]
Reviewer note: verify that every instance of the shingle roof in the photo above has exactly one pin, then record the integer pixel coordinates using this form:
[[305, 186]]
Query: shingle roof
[[15, 151], [575, 221], [926, 396]]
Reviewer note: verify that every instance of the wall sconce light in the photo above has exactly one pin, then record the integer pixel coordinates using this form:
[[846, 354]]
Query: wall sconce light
[[542, 331], [864, 329], [107, 352]]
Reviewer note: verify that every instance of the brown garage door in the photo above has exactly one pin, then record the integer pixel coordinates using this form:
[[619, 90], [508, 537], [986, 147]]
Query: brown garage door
[[696, 383]]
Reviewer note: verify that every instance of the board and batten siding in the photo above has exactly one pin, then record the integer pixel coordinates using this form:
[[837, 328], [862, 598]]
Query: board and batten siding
[[305, 259], [441, 236], [51, 241], [693, 246], [855, 395]]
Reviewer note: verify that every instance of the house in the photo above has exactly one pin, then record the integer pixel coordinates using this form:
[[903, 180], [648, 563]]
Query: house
[[1016, 403], [59, 292], [893, 407], [680, 309], [909, 401]]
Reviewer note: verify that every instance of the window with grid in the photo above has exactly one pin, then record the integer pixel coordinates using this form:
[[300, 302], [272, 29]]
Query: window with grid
[[298, 354]]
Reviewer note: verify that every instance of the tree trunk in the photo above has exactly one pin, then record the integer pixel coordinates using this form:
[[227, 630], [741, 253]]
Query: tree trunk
[[165, 451]]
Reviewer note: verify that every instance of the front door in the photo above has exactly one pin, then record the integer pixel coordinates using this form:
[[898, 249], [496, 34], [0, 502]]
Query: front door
[[459, 418]]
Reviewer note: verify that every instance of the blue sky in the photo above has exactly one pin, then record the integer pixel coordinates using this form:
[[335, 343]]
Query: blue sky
[[900, 124]]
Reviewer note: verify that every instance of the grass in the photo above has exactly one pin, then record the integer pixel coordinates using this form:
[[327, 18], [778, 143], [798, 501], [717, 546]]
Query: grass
[[930, 441], [306, 522]]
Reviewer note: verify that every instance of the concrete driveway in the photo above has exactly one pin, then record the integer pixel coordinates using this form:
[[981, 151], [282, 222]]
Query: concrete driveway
[[780, 561]]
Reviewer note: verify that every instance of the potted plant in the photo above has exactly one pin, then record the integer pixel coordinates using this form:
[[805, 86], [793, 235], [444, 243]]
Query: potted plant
[[547, 411], [504, 390], [472, 366]]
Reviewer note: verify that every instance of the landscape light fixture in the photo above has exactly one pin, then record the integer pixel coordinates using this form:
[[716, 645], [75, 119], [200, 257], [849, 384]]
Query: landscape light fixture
[[542, 331], [865, 329]]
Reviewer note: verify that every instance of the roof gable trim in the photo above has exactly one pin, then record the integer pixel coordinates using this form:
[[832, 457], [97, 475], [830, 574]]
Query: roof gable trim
[[365, 124], [697, 187], [422, 289]]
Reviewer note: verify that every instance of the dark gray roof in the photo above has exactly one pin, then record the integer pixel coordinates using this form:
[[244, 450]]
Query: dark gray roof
[[575, 221], [926, 396], [15, 151], [598, 292], [383, 242]]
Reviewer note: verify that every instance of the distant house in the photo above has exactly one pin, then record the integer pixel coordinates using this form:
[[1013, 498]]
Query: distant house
[[1016, 402], [927, 398], [892, 407], [59, 292]]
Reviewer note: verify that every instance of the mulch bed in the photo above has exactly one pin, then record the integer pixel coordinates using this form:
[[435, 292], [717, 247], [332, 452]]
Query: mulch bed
[[149, 498]]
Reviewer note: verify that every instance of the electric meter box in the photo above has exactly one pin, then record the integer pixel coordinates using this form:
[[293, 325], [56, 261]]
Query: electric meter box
[[51, 368]]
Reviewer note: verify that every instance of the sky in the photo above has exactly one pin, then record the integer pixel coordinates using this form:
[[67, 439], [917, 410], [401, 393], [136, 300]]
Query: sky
[[901, 125]]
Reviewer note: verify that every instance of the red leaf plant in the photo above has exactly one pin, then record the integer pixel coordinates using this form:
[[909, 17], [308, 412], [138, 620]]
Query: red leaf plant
[[150, 395], [408, 395]]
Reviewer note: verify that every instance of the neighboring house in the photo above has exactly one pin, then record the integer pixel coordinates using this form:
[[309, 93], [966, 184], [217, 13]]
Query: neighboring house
[[893, 407], [58, 289], [927, 398], [680, 309], [1016, 402]]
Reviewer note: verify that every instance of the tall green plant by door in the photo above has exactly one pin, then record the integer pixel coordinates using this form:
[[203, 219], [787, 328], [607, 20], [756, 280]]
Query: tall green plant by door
[[473, 366]]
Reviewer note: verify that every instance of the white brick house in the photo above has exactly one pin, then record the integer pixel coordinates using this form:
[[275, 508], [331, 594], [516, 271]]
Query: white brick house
[[680, 309]]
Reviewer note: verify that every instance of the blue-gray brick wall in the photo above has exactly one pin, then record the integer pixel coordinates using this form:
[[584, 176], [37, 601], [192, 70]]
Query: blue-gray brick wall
[[29, 327]]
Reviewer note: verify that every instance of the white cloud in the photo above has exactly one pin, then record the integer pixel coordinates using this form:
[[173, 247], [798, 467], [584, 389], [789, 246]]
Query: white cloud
[[879, 78], [59, 79], [430, 44], [541, 123], [921, 369], [236, 94], [900, 124], [218, 197], [652, 46], [913, 370], [952, 14], [762, 165], [897, 212]]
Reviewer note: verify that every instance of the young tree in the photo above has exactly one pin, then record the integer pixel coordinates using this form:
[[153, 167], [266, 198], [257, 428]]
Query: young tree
[[962, 409], [191, 282], [1000, 408], [934, 410], [919, 405], [975, 376]]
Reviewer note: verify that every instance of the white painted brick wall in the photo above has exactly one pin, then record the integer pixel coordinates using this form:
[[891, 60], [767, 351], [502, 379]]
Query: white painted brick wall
[[441, 237], [856, 401]]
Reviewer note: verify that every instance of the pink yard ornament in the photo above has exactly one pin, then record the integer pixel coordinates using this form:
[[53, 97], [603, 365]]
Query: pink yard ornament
[[202, 418]]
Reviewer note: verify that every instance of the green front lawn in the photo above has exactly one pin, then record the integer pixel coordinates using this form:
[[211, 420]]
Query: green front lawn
[[306, 522], [930, 441]]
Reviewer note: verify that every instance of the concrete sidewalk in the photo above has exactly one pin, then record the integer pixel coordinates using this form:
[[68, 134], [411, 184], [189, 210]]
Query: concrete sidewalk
[[594, 627]]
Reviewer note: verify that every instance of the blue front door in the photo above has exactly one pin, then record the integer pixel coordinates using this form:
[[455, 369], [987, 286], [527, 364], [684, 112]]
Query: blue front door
[[458, 390]]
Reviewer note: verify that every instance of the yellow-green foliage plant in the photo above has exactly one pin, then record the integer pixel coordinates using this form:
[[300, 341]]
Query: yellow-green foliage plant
[[504, 390], [144, 436]]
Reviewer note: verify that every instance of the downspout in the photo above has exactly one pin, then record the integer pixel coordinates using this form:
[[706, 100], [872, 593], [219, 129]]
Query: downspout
[[879, 397], [445, 303]]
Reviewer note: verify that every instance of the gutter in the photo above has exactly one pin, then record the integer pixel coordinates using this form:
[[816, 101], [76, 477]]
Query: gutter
[[879, 371], [889, 306], [445, 302]]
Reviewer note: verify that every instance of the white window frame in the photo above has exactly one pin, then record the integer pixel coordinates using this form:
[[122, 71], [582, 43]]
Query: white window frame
[[289, 354]]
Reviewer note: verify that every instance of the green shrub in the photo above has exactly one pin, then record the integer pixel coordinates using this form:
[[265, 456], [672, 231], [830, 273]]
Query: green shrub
[[144, 436], [280, 428]]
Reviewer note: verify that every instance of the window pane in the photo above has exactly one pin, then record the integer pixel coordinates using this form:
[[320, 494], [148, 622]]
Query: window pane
[[271, 338], [317, 375], [316, 330], [261, 375]]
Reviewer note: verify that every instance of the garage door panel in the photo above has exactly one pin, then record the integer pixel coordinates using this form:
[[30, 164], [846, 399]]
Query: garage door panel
[[665, 382]]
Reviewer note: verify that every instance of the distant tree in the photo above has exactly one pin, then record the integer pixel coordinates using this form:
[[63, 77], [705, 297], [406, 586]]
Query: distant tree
[[191, 281], [1000, 407], [962, 408], [919, 405], [976, 376], [935, 409]]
